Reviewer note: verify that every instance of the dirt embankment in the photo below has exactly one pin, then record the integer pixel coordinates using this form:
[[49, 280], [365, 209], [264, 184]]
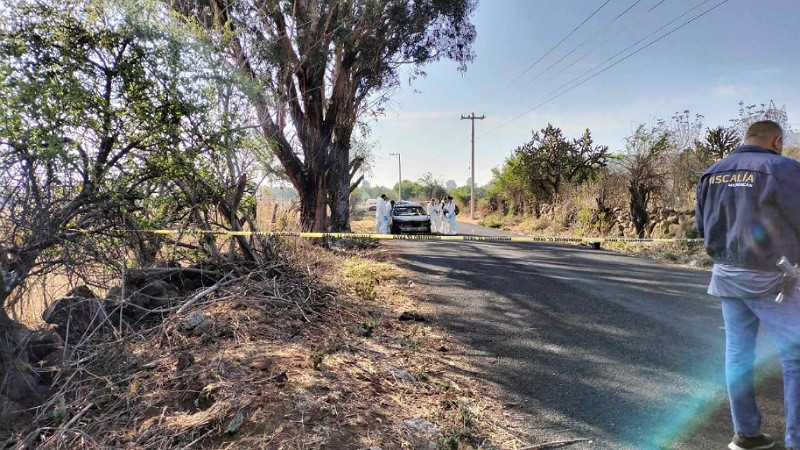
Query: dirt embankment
[[327, 349]]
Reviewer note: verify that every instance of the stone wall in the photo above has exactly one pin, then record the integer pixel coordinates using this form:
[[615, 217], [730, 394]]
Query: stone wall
[[616, 222], [664, 223]]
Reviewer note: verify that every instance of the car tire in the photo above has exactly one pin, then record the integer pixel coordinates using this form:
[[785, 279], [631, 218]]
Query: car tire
[[395, 229], [428, 230]]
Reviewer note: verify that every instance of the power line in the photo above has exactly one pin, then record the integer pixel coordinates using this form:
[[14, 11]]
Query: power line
[[560, 42], [630, 46], [586, 40], [606, 41], [616, 62]]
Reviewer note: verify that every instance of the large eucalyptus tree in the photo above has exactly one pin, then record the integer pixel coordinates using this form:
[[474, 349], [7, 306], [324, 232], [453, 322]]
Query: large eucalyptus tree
[[316, 66]]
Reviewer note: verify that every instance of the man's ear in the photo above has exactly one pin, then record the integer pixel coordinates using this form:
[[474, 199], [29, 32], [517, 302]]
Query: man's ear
[[777, 144]]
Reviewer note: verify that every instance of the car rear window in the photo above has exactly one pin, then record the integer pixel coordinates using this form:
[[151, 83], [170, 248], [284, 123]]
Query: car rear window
[[408, 211]]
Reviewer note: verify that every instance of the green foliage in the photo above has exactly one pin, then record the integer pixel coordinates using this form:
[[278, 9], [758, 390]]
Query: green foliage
[[318, 67], [97, 106], [718, 143], [491, 223], [539, 169], [461, 195], [430, 187], [409, 190], [368, 191], [645, 164], [364, 277], [507, 192], [548, 161], [315, 360]]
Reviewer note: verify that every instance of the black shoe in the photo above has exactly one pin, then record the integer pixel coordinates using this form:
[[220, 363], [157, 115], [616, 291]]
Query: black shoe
[[742, 442]]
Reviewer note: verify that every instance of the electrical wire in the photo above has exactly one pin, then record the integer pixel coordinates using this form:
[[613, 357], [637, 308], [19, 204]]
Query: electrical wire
[[629, 47], [560, 42], [586, 40], [606, 41], [654, 41]]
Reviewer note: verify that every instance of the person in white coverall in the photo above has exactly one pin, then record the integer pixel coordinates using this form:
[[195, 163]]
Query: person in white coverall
[[443, 223], [386, 221], [380, 213], [433, 213], [450, 215]]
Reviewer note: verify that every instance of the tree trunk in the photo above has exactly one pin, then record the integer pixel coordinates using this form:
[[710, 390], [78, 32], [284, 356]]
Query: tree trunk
[[339, 189], [313, 206], [638, 208]]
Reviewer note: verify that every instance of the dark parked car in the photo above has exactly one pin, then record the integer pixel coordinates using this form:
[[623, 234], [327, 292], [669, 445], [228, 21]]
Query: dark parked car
[[410, 217]]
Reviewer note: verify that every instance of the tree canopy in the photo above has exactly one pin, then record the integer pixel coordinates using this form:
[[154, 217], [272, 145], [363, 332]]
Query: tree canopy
[[317, 66]]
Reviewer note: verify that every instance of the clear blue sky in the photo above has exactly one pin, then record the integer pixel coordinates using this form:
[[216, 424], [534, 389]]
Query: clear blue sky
[[744, 50]]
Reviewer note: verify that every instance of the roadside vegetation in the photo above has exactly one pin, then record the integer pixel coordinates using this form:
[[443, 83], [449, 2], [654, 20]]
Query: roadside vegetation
[[120, 118], [554, 186]]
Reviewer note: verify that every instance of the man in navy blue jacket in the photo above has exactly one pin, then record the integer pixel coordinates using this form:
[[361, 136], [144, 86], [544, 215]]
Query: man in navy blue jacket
[[748, 212]]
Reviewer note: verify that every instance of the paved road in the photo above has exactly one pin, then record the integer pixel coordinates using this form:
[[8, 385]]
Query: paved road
[[592, 344]]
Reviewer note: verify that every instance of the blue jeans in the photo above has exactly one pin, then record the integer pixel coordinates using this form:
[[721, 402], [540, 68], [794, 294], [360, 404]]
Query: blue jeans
[[782, 323]]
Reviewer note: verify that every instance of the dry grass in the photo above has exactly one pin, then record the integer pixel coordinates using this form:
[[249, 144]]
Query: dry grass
[[308, 362], [42, 291]]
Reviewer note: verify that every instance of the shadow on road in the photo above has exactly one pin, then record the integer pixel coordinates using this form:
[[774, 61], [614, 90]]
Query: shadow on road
[[594, 344]]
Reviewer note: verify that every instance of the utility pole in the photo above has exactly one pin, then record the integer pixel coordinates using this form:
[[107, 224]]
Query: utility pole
[[399, 176], [472, 118]]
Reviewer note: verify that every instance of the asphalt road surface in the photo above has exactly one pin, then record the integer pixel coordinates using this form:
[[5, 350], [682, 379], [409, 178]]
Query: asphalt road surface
[[625, 351]]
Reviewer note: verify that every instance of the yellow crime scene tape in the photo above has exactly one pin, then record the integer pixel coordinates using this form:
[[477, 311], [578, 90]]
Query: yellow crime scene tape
[[410, 237]]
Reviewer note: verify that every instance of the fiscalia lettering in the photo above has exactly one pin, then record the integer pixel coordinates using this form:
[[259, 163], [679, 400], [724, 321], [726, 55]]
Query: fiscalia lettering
[[738, 177]]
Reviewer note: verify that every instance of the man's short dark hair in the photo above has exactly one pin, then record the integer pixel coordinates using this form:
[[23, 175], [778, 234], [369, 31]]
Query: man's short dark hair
[[764, 129]]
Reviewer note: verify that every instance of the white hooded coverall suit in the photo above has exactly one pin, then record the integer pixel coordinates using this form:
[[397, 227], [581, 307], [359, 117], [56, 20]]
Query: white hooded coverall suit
[[380, 212], [450, 215], [433, 214]]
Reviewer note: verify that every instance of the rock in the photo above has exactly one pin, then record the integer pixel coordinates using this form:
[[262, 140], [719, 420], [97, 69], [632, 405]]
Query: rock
[[12, 414], [235, 424], [41, 343], [280, 379], [192, 322], [115, 293], [81, 291], [261, 363], [185, 360], [401, 374], [23, 386], [649, 228], [421, 427], [409, 316], [75, 315], [663, 228], [693, 263], [152, 294], [155, 288]]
